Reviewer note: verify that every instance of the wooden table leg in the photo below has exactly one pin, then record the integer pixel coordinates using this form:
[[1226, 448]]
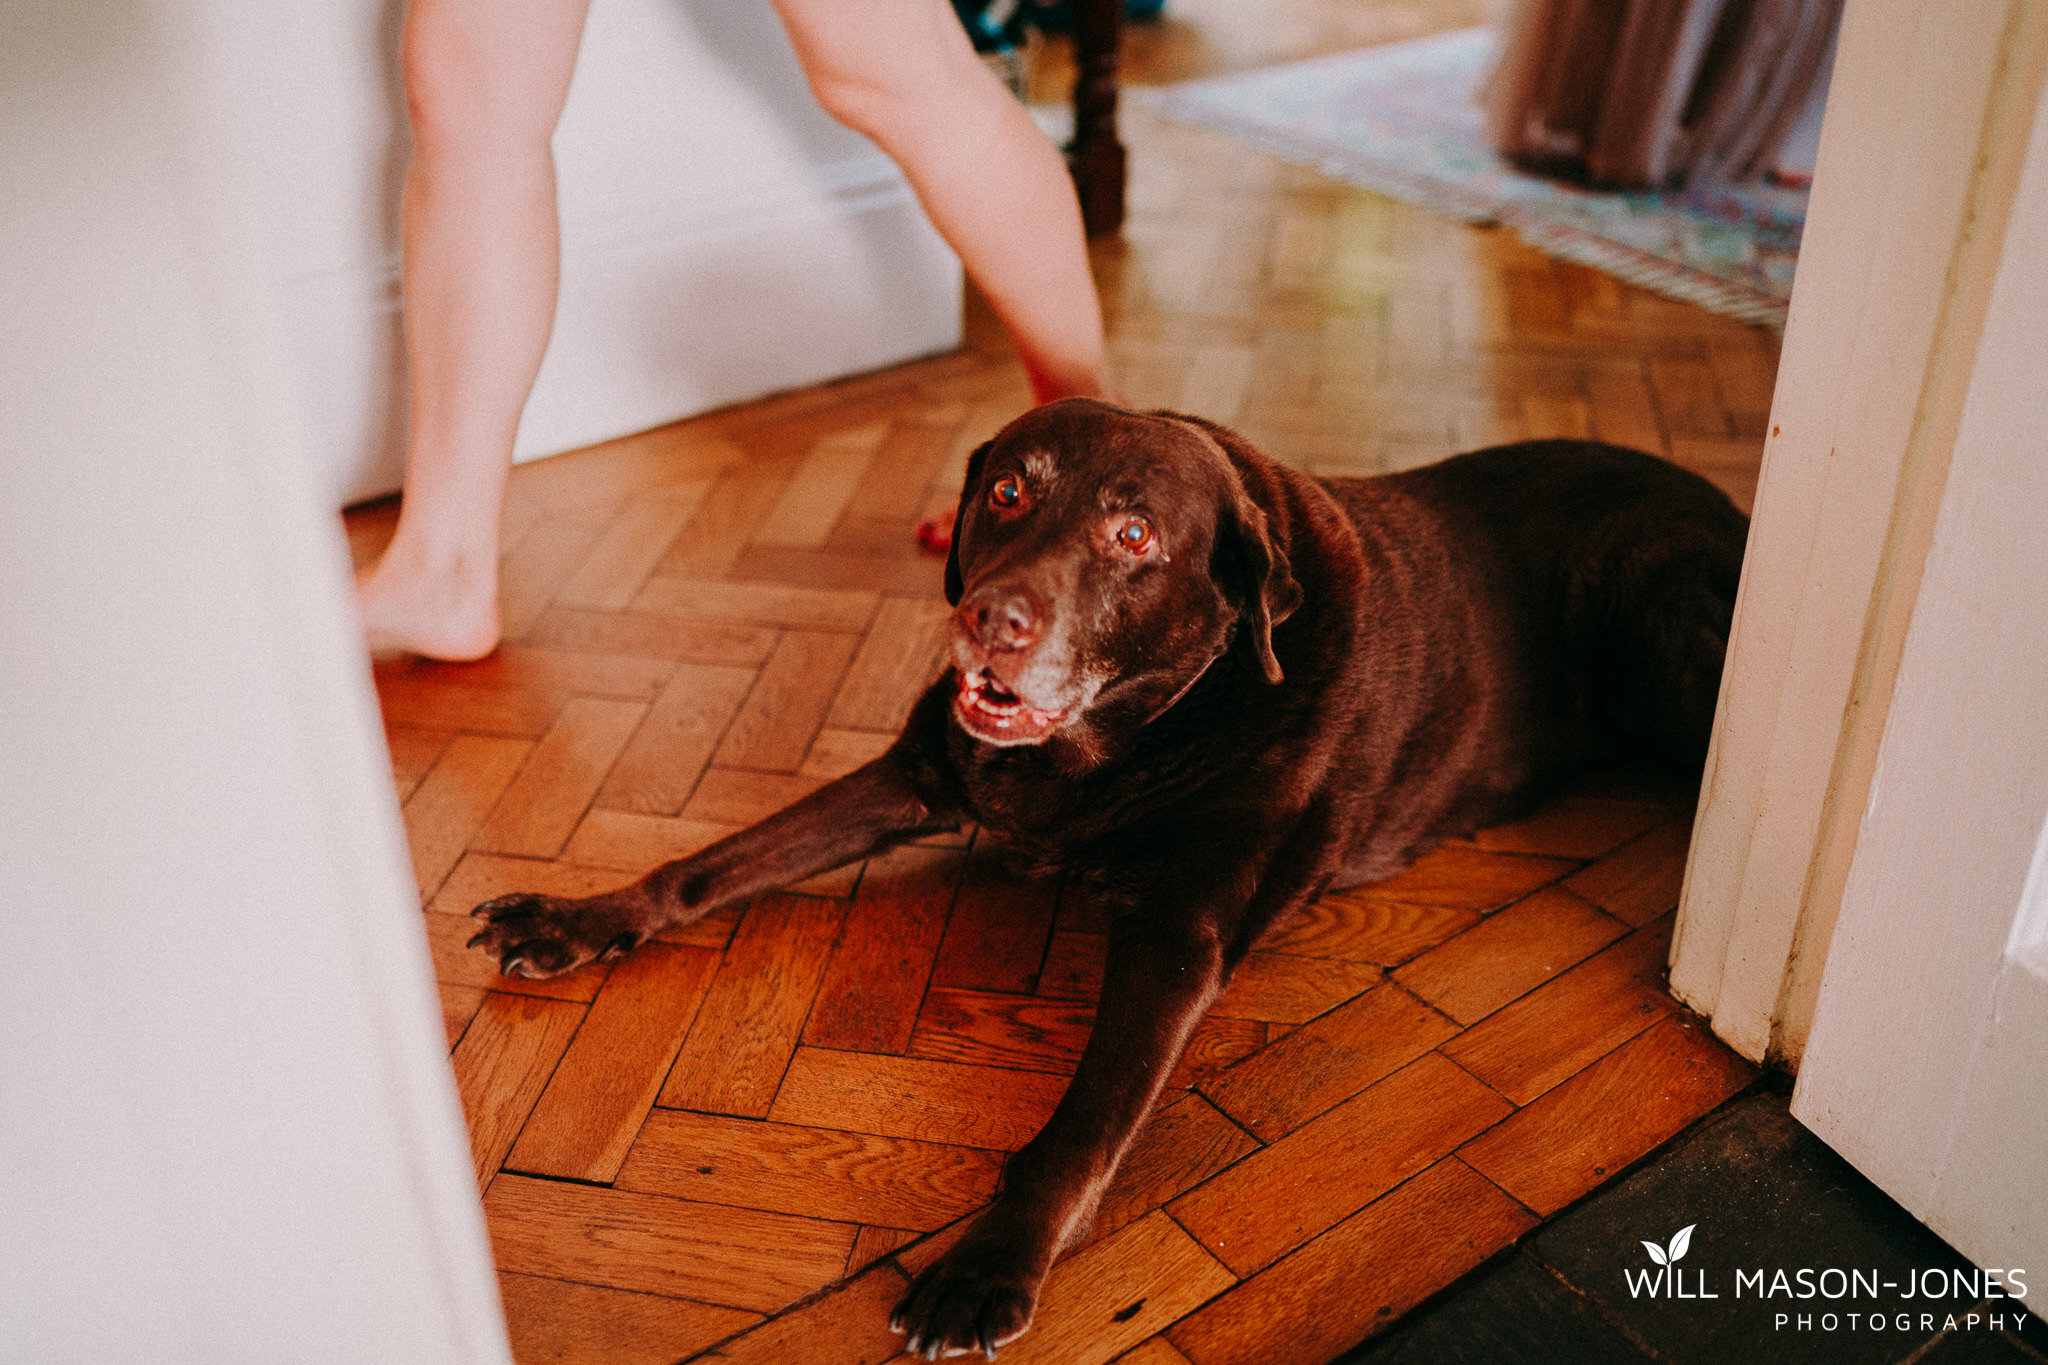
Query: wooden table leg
[[1096, 156]]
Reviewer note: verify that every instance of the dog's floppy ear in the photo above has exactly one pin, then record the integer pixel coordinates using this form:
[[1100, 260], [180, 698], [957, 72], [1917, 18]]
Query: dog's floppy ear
[[1250, 555], [955, 585], [1250, 563]]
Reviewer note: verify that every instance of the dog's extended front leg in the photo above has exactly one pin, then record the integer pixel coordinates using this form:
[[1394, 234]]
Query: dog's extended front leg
[[1158, 984], [872, 808]]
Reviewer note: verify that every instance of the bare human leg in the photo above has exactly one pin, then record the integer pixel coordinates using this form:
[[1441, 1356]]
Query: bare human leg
[[904, 73], [485, 83]]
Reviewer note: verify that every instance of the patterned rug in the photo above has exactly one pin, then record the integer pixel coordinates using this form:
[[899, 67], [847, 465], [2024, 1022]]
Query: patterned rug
[[1404, 119]]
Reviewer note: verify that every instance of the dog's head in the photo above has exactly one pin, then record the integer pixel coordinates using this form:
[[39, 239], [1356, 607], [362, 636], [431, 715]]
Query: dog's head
[[1104, 559]]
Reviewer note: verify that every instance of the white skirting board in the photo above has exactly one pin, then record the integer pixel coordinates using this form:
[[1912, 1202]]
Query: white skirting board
[[664, 313]]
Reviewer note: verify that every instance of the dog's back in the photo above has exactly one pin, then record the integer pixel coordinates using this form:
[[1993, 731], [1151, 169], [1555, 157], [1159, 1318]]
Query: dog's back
[[1561, 600]]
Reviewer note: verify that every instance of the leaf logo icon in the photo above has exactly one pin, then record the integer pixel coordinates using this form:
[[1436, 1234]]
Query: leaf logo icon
[[1679, 1242]]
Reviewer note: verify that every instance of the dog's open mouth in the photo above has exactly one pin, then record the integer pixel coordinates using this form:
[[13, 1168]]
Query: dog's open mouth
[[995, 715]]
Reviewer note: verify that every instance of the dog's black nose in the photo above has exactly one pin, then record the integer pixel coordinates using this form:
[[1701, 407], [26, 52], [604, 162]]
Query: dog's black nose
[[1000, 618]]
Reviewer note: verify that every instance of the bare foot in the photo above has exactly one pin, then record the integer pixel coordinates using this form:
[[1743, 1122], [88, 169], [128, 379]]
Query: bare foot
[[449, 614]]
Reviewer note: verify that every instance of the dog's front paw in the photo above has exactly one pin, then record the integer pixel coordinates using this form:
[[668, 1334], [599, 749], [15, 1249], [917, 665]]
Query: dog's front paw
[[972, 1298], [541, 936]]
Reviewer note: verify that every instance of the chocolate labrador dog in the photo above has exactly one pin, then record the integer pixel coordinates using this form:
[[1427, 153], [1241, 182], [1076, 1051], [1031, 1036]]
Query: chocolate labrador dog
[[1207, 687]]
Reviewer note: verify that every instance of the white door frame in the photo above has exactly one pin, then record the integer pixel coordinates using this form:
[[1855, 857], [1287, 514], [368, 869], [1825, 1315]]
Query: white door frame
[[1927, 130], [1928, 1062]]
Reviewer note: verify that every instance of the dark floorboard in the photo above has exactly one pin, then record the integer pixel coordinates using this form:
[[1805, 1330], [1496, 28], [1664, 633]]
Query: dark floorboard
[[1760, 1194]]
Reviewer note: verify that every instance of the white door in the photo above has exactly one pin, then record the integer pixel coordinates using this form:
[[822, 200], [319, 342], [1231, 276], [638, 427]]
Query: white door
[[1927, 1066], [228, 1131]]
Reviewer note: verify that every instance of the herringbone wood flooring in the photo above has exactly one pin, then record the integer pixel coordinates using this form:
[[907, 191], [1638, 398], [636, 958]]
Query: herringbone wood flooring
[[751, 1131]]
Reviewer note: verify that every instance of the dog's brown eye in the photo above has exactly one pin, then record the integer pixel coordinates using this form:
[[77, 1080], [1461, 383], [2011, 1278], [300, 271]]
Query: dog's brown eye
[[1135, 535], [1006, 491]]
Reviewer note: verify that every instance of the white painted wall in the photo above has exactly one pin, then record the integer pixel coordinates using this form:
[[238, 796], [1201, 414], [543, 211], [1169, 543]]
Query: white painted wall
[[722, 236], [228, 1131]]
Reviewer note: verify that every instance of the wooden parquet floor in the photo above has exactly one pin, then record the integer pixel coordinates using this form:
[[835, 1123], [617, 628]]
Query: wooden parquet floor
[[742, 1138]]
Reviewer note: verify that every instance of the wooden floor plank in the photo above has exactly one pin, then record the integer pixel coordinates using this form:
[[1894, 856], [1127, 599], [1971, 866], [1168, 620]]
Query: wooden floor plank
[[638, 843], [659, 766], [725, 522], [1512, 953], [542, 561], [879, 971], [1470, 878], [1328, 1060], [741, 1043], [413, 754], [1640, 880], [893, 569], [713, 929], [606, 1083], [1157, 1351], [521, 667], [1556, 1031], [1286, 989], [1578, 1134], [872, 1243], [1689, 399], [814, 1172], [986, 1028], [1624, 413], [536, 814], [745, 796], [767, 604], [1367, 929], [503, 1063], [613, 471], [835, 753], [1322, 1300], [1279, 1197], [452, 802], [820, 487], [908, 459], [631, 546], [1746, 371], [910, 1097], [1073, 966], [1180, 1146], [656, 637], [773, 729], [737, 1258], [459, 1005], [561, 1323], [1572, 827], [848, 1325], [904, 651], [996, 938], [1216, 1045]]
